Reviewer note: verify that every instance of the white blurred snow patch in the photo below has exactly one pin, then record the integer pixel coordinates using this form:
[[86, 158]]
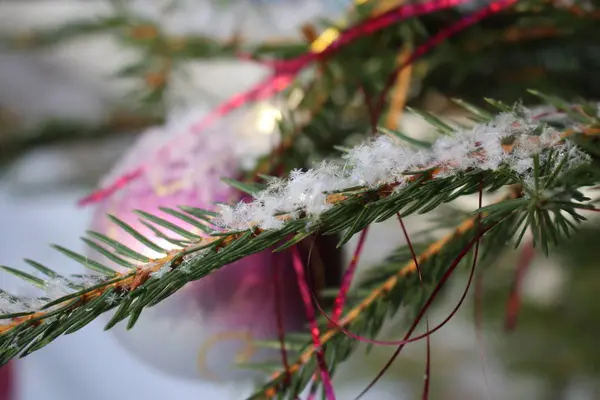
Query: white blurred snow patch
[[65, 164], [545, 281], [73, 79], [255, 19], [25, 15], [381, 391], [36, 90]]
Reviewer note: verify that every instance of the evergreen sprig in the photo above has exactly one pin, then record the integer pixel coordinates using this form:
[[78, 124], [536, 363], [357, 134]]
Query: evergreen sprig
[[545, 199]]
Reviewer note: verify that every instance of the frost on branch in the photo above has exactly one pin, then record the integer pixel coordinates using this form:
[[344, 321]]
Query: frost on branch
[[510, 141], [50, 289]]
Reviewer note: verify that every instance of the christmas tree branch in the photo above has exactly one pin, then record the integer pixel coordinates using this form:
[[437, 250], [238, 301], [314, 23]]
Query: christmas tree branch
[[401, 179], [543, 159]]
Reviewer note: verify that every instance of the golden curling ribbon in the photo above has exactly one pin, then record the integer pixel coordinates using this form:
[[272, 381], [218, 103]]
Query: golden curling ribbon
[[162, 189], [327, 37], [400, 92], [246, 352], [244, 355]]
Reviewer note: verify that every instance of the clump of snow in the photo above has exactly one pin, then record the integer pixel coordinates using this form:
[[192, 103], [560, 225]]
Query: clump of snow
[[9, 305], [511, 140], [53, 289], [56, 288], [162, 271]]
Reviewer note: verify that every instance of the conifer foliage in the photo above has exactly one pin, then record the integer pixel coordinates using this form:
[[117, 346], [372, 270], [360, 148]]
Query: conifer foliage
[[537, 161]]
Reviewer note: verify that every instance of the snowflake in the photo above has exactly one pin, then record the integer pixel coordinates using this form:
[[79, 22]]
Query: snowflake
[[161, 272], [112, 298], [14, 343], [186, 267]]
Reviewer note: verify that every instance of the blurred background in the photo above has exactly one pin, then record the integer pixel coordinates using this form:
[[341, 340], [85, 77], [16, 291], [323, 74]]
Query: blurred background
[[65, 119]]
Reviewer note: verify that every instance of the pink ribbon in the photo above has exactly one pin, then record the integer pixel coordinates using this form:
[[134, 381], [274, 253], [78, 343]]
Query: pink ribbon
[[314, 327]]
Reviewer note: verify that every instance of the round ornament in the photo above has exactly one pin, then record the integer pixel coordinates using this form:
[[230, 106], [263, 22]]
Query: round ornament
[[211, 325]]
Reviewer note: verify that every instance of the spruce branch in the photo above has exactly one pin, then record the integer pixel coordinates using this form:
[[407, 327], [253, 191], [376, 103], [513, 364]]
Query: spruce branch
[[377, 180]]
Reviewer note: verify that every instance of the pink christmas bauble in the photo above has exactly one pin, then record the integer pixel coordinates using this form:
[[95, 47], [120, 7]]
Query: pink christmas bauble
[[208, 327]]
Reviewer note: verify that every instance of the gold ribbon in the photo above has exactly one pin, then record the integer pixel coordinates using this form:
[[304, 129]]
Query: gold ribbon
[[242, 356]]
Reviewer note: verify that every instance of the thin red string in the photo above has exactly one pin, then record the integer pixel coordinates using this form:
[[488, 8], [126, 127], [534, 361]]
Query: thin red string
[[478, 316], [284, 73], [479, 233], [438, 287], [314, 328], [340, 300], [362, 29], [279, 314], [428, 339], [514, 300], [437, 39], [421, 50], [479, 301], [406, 340]]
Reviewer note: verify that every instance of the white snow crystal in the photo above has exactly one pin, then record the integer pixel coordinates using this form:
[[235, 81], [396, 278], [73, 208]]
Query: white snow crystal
[[383, 161], [161, 272], [112, 298]]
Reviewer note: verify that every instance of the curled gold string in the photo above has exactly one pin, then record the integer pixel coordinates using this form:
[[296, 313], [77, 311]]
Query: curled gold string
[[244, 355]]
